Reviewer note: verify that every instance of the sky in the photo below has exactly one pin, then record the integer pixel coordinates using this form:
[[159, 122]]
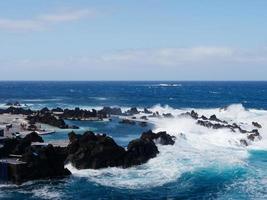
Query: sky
[[133, 40]]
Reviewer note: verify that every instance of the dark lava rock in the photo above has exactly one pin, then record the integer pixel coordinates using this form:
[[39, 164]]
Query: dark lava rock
[[254, 134], [167, 115], [160, 138], [204, 117], [18, 145], [146, 111], [90, 151], [94, 151], [214, 118], [194, 115], [42, 162], [110, 111], [44, 110], [144, 117], [132, 111], [48, 118], [16, 103], [15, 110], [127, 121], [143, 124], [57, 110], [256, 124], [244, 142], [139, 151]]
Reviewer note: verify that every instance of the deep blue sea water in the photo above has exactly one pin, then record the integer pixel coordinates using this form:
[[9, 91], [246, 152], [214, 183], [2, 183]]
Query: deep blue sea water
[[178, 173]]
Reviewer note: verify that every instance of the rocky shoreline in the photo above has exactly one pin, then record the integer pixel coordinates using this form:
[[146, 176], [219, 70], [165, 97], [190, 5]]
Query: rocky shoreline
[[88, 151], [29, 158]]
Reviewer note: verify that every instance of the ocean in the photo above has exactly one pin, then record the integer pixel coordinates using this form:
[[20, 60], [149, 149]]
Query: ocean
[[202, 164]]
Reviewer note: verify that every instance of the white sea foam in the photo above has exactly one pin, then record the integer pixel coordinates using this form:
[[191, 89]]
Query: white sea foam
[[46, 192], [195, 147]]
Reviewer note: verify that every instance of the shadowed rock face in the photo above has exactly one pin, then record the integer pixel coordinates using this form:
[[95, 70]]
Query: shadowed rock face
[[19, 145], [94, 151], [43, 162], [139, 151]]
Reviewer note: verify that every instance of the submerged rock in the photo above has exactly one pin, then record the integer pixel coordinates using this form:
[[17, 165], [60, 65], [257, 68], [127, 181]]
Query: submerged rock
[[127, 121], [243, 142]]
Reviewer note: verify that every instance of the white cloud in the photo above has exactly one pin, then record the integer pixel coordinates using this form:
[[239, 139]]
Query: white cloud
[[43, 21], [201, 63], [187, 56]]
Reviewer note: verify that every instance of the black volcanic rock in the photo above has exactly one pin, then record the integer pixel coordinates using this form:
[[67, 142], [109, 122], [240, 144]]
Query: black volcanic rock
[[44, 110], [161, 137], [90, 151], [146, 111], [254, 134], [167, 115], [18, 145], [48, 118], [57, 110], [243, 142], [110, 111], [127, 121], [144, 117], [256, 124], [132, 111], [94, 151], [15, 110], [42, 162], [193, 114], [139, 151], [25, 142]]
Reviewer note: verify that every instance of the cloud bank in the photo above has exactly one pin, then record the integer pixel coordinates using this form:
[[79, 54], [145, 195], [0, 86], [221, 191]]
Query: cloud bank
[[201, 63]]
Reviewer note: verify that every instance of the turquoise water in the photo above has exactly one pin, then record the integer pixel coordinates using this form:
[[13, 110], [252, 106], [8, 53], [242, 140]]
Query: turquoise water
[[207, 164]]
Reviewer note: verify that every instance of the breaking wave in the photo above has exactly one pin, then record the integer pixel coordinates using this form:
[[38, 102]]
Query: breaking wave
[[196, 147]]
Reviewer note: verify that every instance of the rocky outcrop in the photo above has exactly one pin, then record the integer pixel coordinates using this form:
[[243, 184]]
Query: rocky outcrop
[[80, 114], [167, 115], [159, 138], [18, 145], [256, 124], [94, 151], [146, 111], [100, 151], [16, 111], [42, 162], [110, 111], [48, 118], [132, 111], [139, 151]]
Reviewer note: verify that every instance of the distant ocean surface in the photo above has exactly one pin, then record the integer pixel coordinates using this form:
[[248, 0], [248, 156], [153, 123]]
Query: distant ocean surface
[[208, 164]]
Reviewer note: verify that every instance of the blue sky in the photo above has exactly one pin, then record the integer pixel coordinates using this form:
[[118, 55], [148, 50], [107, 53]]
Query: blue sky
[[133, 40]]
